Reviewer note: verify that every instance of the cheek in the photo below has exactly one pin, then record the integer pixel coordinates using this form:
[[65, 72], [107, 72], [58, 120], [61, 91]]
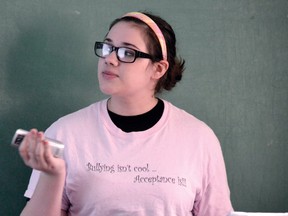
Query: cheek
[[100, 64], [138, 78], [100, 67]]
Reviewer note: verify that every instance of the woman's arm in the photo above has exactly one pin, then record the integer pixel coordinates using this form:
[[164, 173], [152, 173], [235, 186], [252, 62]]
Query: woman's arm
[[47, 197]]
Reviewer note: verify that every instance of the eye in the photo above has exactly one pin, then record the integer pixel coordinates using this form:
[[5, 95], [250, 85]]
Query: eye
[[126, 53], [129, 53], [106, 49]]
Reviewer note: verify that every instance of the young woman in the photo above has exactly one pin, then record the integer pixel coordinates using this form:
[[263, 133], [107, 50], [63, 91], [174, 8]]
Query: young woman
[[131, 154]]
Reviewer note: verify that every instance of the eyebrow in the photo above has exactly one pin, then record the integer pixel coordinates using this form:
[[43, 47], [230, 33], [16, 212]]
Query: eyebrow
[[124, 43]]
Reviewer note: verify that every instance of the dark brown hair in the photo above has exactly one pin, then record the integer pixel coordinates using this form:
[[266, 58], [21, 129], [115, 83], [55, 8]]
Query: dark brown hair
[[176, 64]]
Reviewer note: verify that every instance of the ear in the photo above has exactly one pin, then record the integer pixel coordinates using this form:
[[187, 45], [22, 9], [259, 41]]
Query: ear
[[160, 69]]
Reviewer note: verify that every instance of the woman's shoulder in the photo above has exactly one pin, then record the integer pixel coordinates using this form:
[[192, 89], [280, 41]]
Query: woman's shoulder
[[84, 112], [184, 119], [81, 117], [181, 114]]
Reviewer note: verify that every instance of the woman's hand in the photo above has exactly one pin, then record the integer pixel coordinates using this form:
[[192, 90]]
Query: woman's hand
[[36, 153]]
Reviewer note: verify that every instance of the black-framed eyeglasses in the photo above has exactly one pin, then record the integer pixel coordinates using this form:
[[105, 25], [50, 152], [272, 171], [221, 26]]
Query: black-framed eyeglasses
[[124, 54]]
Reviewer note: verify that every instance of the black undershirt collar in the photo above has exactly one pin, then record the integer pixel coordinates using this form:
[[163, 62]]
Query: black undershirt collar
[[140, 122]]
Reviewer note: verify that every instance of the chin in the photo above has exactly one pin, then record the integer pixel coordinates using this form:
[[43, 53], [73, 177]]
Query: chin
[[106, 90]]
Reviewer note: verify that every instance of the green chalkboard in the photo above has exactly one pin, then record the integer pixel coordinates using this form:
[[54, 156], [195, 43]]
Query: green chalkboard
[[236, 81]]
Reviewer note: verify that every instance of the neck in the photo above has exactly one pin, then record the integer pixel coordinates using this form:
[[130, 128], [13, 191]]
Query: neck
[[131, 106]]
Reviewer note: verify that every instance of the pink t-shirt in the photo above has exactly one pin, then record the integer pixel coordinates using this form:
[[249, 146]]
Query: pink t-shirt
[[174, 168]]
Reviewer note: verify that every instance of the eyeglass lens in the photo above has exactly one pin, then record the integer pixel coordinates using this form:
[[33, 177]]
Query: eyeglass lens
[[123, 54]]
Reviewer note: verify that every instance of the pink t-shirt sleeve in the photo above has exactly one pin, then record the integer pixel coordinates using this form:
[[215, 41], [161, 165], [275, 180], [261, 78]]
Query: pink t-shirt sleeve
[[214, 198]]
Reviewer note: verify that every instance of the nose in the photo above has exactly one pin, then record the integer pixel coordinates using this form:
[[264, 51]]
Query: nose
[[112, 59]]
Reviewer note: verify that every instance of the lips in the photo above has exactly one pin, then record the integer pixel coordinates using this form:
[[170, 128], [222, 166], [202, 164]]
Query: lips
[[109, 75]]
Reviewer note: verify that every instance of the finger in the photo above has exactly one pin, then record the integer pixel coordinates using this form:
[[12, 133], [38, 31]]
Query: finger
[[39, 150], [32, 145], [23, 151], [48, 156], [24, 147]]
